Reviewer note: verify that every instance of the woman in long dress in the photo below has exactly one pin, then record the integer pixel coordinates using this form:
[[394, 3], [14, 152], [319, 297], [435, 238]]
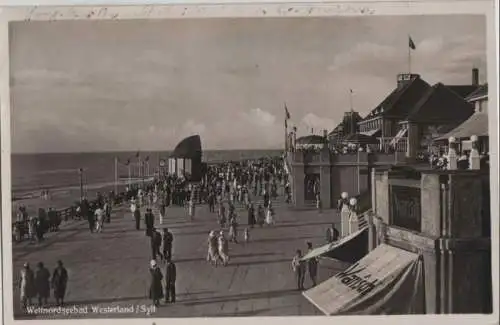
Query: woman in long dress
[[261, 216], [270, 216], [213, 250], [251, 215], [223, 249], [233, 228], [27, 285], [222, 215], [59, 283]]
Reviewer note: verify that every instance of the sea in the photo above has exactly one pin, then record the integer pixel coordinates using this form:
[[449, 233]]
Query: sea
[[55, 172]]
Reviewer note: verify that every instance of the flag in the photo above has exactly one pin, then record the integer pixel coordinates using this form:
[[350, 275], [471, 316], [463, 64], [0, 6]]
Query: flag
[[147, 158], [287, 113], [127, 162], [410, 43], [350, 90], [137, 154]]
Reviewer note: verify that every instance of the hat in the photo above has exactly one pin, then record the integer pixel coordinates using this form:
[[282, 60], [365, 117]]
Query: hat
[[153, 263], [344, 195]]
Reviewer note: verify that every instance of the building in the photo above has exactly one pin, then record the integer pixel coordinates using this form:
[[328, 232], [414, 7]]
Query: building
[[475, 125], [427, 248], [186, 159], [409, 119], [348, 125], [311, 141]]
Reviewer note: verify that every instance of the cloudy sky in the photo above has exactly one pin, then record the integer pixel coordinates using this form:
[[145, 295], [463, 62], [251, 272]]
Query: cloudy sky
[[129, 85]]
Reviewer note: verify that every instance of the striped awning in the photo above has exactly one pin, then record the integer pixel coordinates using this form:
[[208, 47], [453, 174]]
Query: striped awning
[[371, 133], [348, 249]]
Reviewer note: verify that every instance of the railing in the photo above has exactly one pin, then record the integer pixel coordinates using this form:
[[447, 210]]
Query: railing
[[401, 145]]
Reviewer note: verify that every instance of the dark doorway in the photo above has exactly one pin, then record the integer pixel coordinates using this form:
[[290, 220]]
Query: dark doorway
[[311, 186]]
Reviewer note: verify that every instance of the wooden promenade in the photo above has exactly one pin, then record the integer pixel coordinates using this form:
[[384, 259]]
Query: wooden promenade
[[111, 268]]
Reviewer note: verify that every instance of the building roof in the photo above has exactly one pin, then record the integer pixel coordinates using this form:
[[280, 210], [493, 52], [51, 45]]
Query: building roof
[[400, 100], [481, 91], [189, 148], [463, 90], [477, 124], [310, 140], [440, 104], [346, 120]]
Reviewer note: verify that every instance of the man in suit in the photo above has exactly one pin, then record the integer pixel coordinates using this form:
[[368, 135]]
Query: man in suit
[[149, 220], [170, 277]]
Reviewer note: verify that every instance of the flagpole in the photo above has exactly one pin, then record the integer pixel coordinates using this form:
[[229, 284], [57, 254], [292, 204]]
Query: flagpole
[[116, 175], [286, 128], [409, 55], [129, 175], [350, 99]]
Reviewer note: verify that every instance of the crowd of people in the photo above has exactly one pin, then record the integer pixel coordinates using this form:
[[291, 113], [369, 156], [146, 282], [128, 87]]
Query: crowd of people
[[249, 185], [222, 188]]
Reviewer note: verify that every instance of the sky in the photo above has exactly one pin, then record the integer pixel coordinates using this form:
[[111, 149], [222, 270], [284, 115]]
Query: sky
[[145, 85]]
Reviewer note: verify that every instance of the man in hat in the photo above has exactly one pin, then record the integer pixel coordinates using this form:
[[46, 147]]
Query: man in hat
[[42, 284], [168, 240], [170, 278], [156, 240], [312, 265], [155, 286]]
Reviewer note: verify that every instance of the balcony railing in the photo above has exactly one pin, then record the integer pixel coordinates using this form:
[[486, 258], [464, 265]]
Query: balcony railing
[[393, 144]]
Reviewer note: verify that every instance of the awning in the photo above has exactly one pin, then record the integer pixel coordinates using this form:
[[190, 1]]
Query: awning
[[477, 125], [371, 133], [348, 249], [386, 281]]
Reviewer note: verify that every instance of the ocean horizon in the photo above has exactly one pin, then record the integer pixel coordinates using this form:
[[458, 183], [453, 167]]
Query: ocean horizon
[[32, 172]]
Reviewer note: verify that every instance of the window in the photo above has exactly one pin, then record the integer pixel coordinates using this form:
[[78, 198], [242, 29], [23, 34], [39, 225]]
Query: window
[[405, 207]]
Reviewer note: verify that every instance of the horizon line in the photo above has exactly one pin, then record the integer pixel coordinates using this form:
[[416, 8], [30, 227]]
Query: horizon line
[[135, 151]]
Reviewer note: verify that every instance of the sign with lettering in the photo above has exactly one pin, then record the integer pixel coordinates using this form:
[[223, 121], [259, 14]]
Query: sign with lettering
[[363, 286], [405, 207]]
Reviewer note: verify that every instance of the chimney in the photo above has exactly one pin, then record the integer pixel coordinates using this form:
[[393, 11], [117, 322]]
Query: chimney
[[475, 76]]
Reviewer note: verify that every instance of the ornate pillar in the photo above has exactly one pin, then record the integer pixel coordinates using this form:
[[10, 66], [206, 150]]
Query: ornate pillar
[[344, 214], [353, 216], [474, 159]]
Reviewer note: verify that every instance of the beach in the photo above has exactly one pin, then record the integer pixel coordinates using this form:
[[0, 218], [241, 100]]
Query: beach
[[58, 173]]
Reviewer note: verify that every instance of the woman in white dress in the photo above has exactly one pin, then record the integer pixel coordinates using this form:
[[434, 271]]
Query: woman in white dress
[[223, 248], [213, 254], [270, 216]]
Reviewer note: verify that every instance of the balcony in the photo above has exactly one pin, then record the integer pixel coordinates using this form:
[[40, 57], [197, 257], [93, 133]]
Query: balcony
[[393, 144]]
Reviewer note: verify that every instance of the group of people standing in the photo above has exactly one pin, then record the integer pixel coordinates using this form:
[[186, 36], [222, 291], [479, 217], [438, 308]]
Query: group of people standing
[[37, 284]]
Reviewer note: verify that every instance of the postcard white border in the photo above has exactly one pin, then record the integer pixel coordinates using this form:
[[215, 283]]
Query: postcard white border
[[246, 8]]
